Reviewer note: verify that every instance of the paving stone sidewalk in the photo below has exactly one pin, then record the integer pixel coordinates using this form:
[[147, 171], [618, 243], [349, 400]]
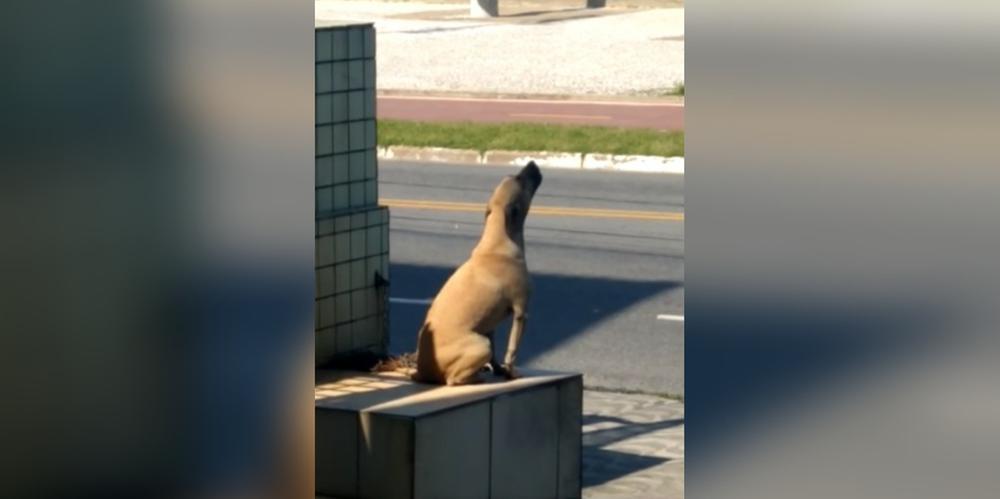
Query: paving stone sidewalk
[[633, 446]]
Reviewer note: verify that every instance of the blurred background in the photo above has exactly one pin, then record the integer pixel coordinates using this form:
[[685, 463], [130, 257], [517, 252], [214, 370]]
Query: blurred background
[[156, 205], [841, 238]]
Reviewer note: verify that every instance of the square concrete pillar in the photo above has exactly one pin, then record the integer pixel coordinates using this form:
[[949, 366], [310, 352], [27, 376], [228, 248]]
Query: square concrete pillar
[[352, 231], [401, 439], [484, 8]]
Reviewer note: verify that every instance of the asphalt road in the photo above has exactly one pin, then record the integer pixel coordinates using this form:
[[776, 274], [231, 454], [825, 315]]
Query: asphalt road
[[606, 254], [655, 115]]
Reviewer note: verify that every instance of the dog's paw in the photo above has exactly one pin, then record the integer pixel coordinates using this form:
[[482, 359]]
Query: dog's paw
[[508, 372]]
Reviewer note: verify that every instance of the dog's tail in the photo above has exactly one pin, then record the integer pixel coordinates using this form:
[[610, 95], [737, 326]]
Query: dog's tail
[[426, 370]]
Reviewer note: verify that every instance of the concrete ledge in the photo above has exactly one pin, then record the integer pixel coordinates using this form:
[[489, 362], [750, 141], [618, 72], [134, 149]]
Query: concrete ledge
[[382, 435], [593, 161], [628, 163], [542, 158], [588, 98], [433, 154]]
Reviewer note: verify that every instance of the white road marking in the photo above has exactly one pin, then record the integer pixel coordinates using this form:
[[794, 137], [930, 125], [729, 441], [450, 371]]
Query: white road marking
[[411, 301], [668, 317]]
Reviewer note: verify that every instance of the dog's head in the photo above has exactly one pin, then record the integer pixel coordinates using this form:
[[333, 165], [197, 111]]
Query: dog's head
[[513, 198]]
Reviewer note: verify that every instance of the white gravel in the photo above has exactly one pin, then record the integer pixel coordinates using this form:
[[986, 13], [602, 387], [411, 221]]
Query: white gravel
[[634, 52]]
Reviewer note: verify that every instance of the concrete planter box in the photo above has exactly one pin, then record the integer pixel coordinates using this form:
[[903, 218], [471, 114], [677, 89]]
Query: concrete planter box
[[383, 436]]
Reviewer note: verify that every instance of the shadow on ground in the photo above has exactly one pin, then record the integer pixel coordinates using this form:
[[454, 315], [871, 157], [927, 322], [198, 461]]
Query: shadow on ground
[[561, 306], [616, 464], [613, 465]]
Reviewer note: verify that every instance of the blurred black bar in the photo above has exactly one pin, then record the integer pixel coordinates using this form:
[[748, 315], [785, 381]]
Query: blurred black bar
[[157, 250]]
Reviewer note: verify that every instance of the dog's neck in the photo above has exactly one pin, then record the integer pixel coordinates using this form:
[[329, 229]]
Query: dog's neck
[[496, 241]]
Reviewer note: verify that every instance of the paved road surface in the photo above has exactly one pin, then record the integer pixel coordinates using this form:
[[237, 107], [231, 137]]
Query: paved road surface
[[609, 294], [656, 115]]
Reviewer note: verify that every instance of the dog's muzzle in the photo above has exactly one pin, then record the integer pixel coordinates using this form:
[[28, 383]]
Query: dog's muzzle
[[530, 174]]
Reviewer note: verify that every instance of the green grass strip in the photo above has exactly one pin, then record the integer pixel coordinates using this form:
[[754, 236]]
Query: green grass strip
[[531, 137]]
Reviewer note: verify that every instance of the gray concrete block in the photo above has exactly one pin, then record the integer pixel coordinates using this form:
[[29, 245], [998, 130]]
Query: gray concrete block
[[452, 455], [570, 438], [385, 457], [525, 444], [501, 439]]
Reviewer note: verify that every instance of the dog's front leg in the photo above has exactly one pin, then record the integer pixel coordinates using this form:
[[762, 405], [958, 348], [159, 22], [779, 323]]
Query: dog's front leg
[[516, 329]]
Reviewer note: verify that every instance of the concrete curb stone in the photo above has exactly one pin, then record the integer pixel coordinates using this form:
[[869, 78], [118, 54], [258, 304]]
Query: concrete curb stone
[[633, 163], [542, 158], [593, 161], [433, 154]]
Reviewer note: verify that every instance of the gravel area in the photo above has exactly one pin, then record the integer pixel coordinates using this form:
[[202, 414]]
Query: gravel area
[[626, 52]]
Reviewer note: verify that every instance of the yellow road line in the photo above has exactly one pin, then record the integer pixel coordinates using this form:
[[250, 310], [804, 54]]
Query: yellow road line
[[558, 211], [567, 116]]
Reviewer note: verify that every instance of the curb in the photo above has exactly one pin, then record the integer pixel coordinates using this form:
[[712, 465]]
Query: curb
[[432, 154], [542, 158], [593, 161], [584, 98], [632, 163]]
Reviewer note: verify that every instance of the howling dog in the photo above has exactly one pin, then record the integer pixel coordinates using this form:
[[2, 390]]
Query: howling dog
[[456, 340]]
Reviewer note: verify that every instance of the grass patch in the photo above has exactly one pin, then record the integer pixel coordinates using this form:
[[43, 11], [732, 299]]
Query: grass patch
[[677, 90], [530, 137]]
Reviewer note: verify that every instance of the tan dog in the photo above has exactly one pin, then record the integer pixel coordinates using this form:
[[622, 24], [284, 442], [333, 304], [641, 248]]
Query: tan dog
[[456, 340]]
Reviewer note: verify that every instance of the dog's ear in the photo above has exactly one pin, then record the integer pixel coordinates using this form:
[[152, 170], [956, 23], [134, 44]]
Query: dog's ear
[[488, 211]]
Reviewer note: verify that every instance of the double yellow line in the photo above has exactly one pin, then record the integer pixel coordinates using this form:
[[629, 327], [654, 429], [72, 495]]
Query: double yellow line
[[555, 211]]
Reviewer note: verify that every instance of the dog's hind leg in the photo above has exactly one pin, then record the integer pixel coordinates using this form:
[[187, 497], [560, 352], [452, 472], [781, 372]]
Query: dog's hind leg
[[471, 354]]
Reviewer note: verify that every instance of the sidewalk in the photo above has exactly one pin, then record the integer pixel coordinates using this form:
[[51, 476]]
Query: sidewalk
[[633, 446]]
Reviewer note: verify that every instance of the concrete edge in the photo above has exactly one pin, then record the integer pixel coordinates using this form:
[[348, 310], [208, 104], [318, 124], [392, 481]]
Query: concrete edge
[[432, 154], [593, 161], [625, 98], [542, 158]]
